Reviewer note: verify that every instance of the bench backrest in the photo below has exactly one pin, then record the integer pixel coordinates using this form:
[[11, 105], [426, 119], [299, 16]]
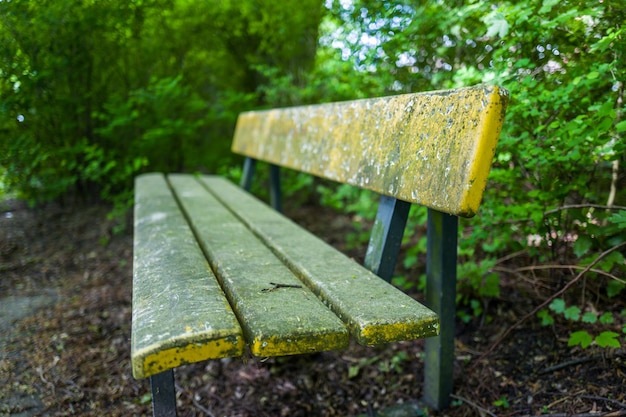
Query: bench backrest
[[434, 149]]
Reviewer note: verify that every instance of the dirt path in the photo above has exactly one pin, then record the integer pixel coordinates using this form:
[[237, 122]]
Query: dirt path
[[13, 309]]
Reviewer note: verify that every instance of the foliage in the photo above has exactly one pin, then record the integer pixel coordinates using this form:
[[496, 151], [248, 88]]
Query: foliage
[[556, 161], [583, 338], [502, 402], [97, 92], [554, 190]]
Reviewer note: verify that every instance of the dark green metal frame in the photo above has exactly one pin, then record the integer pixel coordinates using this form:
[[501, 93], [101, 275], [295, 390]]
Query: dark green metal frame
[[441, 260], [163, 394]]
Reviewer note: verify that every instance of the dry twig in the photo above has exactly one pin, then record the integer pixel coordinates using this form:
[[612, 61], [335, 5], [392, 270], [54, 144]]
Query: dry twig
[[578, 267], [476, 406], [568, 363], [607, 414], [577, 206], [606, 400]]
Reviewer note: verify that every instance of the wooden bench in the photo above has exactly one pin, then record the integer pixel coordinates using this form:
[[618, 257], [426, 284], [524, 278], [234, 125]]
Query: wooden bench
[[218, 273]]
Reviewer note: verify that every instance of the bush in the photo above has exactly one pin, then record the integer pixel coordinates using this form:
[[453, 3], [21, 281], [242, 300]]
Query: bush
[[554, 186]]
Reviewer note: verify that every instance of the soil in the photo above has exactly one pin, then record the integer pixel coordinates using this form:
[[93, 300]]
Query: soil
[[65, 292]]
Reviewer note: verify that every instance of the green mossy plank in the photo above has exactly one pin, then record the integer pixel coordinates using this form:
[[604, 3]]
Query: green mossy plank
[[433, 149], [180, 314], [276, 321], [375, 311]]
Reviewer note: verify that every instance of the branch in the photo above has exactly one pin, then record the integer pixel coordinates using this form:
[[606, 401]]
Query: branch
[[605, 414], [607, 400], [476, 406], [615, 165], [563, 365], [614, 178], [546, 302], [597, 271], [577, 206]]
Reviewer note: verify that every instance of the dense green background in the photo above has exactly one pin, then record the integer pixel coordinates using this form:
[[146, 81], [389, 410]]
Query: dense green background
[[94, 92]]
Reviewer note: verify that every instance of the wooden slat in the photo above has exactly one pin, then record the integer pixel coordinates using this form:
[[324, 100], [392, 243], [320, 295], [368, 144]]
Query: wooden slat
[[276, 320], [180, 314], [434, 148], [374, 311]]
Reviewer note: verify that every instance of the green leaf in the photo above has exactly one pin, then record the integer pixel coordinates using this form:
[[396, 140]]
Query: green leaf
[[558, 305], [546, 318], [582, 245], [589, 317], [621, 126], [491, 286], [608, 339], [572, 313], [548, 5], [582, 338], [496, 24], [537, 217], [353, 371], [607, 318], [593, 75], [502, 402], [612, 259], [613, 288], [619, 218]]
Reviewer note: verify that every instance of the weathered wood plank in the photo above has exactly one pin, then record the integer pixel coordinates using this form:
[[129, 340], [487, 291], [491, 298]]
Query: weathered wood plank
[[374, 311], [180, 314], [279, 316], [434, 148]]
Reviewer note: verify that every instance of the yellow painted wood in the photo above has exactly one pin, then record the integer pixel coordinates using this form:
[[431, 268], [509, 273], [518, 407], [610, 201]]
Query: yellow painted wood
[[433, 148], [374, 311], [180, 314], [277, 317]]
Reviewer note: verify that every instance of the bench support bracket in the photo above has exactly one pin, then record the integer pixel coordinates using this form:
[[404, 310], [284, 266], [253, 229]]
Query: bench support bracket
[[275, 192], [163, 394], [386, 237], [441, 298], [249, 169]]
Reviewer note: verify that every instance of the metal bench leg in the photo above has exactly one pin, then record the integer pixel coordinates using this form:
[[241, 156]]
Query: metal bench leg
[[249, 168], [441, 298], [163, 394], [275, 191], [386, 237]]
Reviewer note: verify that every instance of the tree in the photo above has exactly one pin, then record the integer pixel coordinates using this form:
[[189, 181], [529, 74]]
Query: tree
[[97, 92], [61, 61]]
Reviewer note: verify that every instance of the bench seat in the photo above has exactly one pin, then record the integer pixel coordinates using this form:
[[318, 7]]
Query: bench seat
[[219, 270], [180, 314]]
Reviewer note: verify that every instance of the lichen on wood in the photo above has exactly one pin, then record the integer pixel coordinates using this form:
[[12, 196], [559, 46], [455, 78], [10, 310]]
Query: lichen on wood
[[433, 148]]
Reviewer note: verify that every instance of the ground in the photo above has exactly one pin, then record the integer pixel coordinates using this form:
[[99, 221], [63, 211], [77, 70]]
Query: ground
[[65, 297]]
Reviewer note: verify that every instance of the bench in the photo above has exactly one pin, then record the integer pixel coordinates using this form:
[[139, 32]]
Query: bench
[[217, 273]]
